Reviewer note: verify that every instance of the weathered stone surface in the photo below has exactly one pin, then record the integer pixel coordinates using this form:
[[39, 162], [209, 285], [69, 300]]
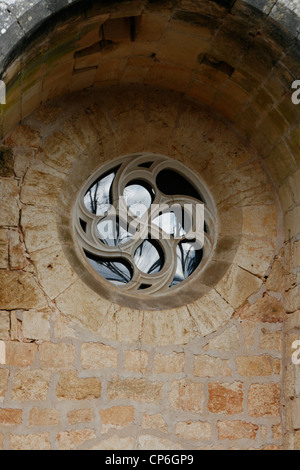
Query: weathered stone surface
[[30, 441], [255, 365], [136, 361], [236, 430], [80, 303], [4, 325], [271, 340], [25, 136], [9, 212], [10, 416], [210, 312], [17, 253], [116, 417], [134, 389], [207, 366], [237, 286], [264, 400], [20, 354], [39, 227], [42, 186], [31, 385], [186, 396], [54, 271], [70, 387], [70, 440], [3, 249], [4, 374], [167, 327], [155, 421], [115, 442], [168, 364], [80, 416], [44, 417], [122, 324], [20, 290], [267, 309], [98, 356], [195, 430], [229, 340], [36, 325], [56, 355], [225, 398], [148, 442]]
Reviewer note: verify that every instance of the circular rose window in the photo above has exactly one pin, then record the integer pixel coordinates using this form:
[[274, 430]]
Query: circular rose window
[[145, 225]]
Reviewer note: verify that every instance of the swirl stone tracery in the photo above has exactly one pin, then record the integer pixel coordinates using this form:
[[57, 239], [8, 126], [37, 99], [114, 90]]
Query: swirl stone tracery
[[137, 223]]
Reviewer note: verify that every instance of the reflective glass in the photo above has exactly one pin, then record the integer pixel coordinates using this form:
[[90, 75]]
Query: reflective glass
[[188, 258], [138, 199], [97, 198], [149, 257], [118, 272], [112, 232]]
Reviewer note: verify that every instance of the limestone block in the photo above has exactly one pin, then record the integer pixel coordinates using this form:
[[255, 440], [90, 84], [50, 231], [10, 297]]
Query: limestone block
[[54, 271], [10, 416], [210, 312], [4, 374], [148, 442], [255, 365], [186, 396], [3, 249], [236, 430], [194, 430], [42, 186], [136, 361], [267, 310], [4, 325], [207, 366], [225, 398], [115, 442], [80, 416], [39, 227], [237, 285], [56, 355], [9, 209], [98, 356], [139, 390], [229, 340], [70, 440], [167, 327], [70, 387], [155, 421], [36, 325], [39, 441], [31, 385], [264, 400], [44, 417], [116, 417], [20, 290], [169, 364], [20, 354]]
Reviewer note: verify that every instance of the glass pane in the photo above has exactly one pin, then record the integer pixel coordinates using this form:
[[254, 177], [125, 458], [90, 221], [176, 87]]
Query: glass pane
[[112, 232], [188, 259], [171, 224], [149, 257], [118, 271], [172, 183], [97, 198], [138, 198]]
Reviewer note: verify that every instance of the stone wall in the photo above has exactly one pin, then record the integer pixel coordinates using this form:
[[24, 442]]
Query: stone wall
[[81, 372]]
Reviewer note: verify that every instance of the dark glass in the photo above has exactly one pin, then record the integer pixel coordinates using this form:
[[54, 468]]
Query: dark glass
[[118, 271], [172, 183], [189, 256], [113, 232], [149, 257], [97, 199]]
